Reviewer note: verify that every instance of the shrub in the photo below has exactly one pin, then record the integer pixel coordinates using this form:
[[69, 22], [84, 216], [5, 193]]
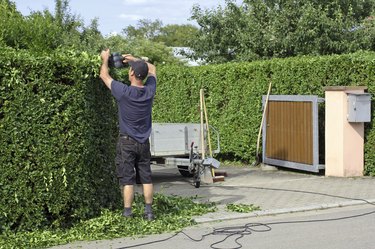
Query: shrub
[[56, 140]]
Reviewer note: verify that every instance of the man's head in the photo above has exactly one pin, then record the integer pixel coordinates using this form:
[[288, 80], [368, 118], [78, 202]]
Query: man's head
[[139, 68]]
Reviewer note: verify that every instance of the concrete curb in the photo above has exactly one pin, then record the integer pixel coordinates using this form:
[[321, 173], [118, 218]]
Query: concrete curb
[[224, 216]]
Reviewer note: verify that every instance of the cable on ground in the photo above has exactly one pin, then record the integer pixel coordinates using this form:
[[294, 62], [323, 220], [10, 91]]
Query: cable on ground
[[241, 231]]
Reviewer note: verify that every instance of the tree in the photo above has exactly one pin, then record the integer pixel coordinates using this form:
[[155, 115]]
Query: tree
[[157, 52], [11, 22], [366, 33], [220, 30], [153, 39], [145, 29], [172, 35], [91, 38], [44, 32], [262, 29]]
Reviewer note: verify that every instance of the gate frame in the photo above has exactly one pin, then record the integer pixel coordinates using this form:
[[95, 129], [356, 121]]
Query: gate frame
[[315, 167]]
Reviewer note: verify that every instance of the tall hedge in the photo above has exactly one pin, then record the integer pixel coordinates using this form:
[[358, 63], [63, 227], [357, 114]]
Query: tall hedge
[[234, 93], [56, 140]]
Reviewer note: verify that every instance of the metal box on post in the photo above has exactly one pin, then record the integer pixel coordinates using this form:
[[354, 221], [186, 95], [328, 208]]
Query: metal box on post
[[359, 107]]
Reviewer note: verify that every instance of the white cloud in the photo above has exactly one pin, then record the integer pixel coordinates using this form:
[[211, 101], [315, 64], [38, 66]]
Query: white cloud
[[168, 11], [136, 2], [131, 17]]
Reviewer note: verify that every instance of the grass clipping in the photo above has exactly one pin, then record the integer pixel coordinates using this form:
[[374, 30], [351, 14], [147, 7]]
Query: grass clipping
[[172, 214], [242, 208]]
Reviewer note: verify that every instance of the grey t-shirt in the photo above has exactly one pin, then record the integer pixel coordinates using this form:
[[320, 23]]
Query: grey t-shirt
[[135, 107]]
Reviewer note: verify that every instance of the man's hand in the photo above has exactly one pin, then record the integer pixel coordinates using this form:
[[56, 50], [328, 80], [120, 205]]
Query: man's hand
[[105, 55], [151, 67], [128, 57], [104, 71]]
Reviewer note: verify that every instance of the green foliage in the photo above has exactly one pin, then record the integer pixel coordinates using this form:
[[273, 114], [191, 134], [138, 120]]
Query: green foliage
[[10, 22], [370, 146], [145, 29], [220, 30], [157, 52], [242, 208], [38, 31], [233, 94], [174, 35], [91, 38], [152, 39], [259, 29], [172, 214], [171, 35], [57, 126]]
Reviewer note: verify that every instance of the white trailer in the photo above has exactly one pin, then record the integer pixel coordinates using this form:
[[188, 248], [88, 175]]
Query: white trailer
[[180, 145]]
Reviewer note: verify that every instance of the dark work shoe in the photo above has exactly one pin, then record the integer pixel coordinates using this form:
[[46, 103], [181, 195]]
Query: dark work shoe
[[149, 216], [127, 215]]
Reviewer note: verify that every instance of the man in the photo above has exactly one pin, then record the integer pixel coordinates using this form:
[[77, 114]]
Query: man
[[134, 111]]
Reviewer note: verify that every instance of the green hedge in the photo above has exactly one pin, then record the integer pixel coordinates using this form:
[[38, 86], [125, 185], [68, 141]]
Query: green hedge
[[233, 93], [56, 140]]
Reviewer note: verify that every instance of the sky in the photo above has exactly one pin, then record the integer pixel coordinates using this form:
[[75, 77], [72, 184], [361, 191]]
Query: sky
[[114, 15]]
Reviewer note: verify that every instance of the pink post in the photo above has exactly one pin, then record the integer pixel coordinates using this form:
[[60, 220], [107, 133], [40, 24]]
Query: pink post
[[344, 140]]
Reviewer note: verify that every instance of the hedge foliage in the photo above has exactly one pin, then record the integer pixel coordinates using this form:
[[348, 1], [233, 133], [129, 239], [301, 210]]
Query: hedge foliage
[[233, 93], [56, 140], [58, 123]]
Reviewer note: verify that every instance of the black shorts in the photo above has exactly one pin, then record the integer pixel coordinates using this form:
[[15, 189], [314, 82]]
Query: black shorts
[[133, 161]]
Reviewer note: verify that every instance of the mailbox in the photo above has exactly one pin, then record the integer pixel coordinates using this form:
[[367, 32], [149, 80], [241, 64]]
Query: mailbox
[[359, 107]]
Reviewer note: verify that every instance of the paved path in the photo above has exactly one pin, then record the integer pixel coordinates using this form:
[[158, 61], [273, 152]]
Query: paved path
[[275, 192]]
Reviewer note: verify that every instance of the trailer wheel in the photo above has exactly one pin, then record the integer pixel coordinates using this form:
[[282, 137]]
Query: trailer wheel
[[197, 184], [184, 171]]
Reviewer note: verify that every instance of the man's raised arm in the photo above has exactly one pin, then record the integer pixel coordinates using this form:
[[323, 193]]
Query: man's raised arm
[[104, 70]]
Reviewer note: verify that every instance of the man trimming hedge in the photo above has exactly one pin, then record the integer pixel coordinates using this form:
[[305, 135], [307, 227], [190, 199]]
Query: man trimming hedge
[[134, 109]]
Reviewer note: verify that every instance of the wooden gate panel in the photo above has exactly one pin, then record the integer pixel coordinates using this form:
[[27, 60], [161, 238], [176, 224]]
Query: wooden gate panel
[[290, 132]]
